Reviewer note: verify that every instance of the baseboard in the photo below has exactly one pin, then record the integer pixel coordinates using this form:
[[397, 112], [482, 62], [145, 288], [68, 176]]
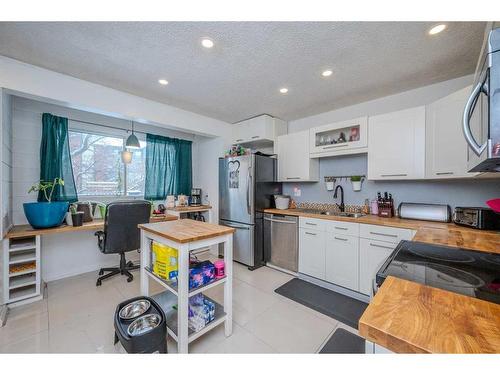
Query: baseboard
[[291, 273], [86, 269], [335, 288], [26, 301]]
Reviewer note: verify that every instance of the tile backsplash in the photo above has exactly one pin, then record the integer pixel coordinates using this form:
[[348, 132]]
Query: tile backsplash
[[460, 192]]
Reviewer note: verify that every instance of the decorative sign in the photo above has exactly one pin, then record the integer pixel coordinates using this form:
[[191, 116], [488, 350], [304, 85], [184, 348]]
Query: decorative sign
[[234, 174]]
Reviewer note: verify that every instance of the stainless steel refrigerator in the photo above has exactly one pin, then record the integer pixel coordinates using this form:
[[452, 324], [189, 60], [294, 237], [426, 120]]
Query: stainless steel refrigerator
[[247, 185]]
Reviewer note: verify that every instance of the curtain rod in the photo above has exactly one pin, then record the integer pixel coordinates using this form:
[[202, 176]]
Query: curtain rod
[[106, 126]]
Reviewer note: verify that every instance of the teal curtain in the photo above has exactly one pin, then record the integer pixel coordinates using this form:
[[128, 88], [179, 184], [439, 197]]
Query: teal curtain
[[168, 167], [55, 158]]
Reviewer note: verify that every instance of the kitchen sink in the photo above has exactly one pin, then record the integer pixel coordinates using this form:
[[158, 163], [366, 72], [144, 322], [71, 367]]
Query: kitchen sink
[[342, 214], [330, 213]]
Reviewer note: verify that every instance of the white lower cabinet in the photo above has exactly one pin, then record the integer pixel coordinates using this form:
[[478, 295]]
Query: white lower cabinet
[[347, 254], [372, 254], [312, 252], [342, 260]]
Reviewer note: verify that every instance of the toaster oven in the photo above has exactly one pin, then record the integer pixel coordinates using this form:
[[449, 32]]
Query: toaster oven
[[477, 217]]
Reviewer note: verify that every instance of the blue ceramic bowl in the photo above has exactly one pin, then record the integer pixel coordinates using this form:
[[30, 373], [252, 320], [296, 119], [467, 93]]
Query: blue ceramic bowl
[[44, 214]]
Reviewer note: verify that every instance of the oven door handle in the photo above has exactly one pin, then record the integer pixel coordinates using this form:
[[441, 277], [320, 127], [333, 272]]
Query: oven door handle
[[469, 107]]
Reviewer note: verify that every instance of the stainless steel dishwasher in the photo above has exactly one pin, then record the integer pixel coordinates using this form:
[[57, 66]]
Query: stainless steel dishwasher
[[281, 241]]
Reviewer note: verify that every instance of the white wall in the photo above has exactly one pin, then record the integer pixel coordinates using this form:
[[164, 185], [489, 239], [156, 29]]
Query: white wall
[[407, 99], [206, 169], [472, 192], [5, 176], [6, 161], [38, 83]]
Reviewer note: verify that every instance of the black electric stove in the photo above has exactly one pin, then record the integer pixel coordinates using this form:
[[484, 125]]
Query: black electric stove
[[463, 271]]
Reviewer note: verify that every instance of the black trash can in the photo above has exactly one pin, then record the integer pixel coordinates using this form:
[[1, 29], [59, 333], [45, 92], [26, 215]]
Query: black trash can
[[140, 326]]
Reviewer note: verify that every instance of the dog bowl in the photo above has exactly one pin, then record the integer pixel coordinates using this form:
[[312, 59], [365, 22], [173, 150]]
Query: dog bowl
[[144, 324], [134, 309]]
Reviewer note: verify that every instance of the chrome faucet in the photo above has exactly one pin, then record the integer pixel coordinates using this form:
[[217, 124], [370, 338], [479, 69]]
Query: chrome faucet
[[341, 205]]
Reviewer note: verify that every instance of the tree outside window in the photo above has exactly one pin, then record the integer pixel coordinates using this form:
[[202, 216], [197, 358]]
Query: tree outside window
[[98, 168]]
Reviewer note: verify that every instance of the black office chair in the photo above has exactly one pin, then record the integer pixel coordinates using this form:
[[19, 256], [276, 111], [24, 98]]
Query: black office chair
[[121, 234]]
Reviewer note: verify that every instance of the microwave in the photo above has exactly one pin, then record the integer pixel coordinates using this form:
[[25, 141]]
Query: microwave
[[481, 117]]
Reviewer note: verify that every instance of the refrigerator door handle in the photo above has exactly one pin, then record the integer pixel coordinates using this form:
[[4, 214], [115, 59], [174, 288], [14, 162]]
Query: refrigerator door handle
[[249, 182]]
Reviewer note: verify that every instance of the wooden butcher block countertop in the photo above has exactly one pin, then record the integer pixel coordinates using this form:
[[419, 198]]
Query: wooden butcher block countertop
[[25, 230], [407, 317], [447, 234], [186, 230]]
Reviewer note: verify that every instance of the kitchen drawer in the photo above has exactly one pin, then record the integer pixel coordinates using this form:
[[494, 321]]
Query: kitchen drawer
[[387, 234], [316, 224], [343, 227]]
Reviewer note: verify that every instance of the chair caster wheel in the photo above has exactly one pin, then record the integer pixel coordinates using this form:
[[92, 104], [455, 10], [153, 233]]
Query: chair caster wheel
[[101, 272], [98, 283], [129, 279], [130, 263]]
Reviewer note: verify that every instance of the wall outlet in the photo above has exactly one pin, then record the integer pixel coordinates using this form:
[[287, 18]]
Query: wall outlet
[[297, 192]]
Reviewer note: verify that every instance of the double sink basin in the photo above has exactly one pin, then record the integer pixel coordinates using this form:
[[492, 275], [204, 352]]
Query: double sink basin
[[329, 213]]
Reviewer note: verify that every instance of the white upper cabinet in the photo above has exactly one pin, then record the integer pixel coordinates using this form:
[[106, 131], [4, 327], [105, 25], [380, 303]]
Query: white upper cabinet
[[396, 145], [340, 138], [294, 163], [446, 149], [260, 130]]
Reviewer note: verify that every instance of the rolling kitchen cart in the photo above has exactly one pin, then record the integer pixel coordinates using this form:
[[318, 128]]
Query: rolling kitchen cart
[[187, 235]]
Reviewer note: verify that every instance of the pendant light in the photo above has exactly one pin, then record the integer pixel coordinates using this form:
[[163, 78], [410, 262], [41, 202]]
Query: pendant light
[[126, 156], [132, 141]]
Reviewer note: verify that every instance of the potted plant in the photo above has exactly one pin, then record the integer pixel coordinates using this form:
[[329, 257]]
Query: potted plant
[[356, 182], [46, 214], [76, 216]]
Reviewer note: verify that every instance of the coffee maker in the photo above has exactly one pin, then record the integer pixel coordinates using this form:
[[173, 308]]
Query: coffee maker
[[195, 197]]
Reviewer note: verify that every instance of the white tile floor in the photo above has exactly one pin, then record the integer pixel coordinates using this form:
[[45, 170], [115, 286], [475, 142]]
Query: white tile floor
[[76, 317]]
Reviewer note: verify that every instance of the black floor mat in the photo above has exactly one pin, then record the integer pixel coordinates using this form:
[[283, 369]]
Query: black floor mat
[[344, 342], [342, 308]]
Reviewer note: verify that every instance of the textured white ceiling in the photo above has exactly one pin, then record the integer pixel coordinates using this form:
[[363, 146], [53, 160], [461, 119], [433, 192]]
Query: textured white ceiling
[[241, 75]]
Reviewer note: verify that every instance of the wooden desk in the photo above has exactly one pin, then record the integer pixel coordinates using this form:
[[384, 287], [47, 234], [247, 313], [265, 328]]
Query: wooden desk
[[184, 212], [22, 274], [20, 231]]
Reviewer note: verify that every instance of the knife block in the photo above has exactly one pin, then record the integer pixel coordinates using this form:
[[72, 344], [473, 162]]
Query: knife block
[[386, 209]]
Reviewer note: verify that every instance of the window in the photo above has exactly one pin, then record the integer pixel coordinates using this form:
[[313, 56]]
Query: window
[[98, 168]]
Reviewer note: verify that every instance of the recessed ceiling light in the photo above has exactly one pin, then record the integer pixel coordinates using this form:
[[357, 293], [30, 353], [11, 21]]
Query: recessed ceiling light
[[283, 90], [437, 29], [163, 82], [207, 43], [327, 73]]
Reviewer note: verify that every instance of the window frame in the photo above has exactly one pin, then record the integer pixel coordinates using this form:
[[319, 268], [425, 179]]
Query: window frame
[[114, 133]]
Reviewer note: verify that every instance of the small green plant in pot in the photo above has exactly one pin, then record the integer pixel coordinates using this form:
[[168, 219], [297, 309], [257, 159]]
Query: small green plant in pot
[[46, 214], [356, 182], [76, 216]]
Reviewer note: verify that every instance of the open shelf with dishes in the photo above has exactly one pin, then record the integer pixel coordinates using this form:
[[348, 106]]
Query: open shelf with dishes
[[346, 137]]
